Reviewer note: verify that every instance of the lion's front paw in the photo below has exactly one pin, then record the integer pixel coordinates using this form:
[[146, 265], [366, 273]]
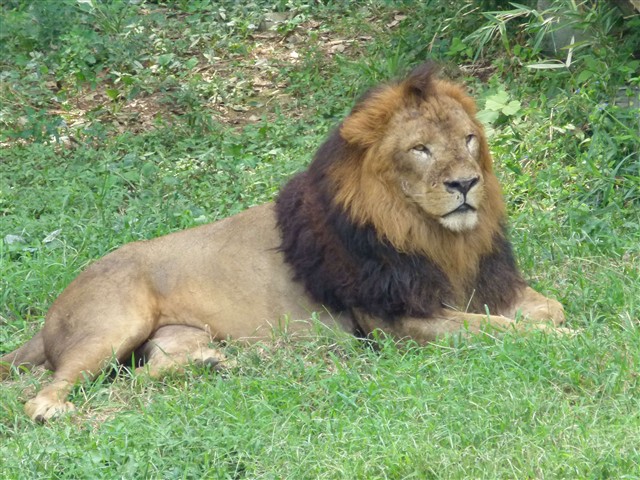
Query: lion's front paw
[[556, 312]]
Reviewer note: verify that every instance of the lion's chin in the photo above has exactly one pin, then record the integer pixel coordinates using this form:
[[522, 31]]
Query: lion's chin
[[460, 221]]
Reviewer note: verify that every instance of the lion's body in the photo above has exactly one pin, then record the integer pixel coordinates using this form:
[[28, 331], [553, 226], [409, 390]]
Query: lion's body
[[398, 224], [191, 278]]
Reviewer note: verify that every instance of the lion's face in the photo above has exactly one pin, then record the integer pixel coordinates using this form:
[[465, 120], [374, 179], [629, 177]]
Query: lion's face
[[416, 166], [435, 149]]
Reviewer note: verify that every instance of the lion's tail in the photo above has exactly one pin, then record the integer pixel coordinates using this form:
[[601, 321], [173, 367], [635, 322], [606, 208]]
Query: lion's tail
[[29, 355]]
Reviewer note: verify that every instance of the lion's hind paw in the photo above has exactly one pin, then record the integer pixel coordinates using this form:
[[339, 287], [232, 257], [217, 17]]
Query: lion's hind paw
[[42, 410]]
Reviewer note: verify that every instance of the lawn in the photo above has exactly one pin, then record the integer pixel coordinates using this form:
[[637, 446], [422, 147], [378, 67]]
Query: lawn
[[122, 121]]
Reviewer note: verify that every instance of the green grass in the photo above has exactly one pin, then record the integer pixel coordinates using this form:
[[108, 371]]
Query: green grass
[[124, 121], [512, 407]]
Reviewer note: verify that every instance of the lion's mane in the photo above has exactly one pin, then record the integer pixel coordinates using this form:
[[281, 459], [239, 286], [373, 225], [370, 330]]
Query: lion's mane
[[355, 242]]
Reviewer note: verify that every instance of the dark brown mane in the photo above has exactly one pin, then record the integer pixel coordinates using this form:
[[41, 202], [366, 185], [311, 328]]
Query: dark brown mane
[[353, 242], [343, 265]]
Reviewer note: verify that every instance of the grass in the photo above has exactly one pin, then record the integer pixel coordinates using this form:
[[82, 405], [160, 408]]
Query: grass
[[512, 407], [130, 121]]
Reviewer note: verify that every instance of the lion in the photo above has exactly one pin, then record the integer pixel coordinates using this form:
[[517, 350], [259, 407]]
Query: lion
[[397, 225]]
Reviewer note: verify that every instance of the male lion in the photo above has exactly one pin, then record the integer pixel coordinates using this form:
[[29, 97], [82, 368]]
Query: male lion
[[398, 224]]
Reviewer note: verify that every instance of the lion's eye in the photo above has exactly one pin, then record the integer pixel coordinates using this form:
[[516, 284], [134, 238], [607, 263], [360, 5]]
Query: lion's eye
[[472, 143], [422, 149]]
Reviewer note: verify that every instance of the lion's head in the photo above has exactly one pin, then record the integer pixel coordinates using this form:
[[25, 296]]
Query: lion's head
[[409, 166], [436, 161], [424, 176]]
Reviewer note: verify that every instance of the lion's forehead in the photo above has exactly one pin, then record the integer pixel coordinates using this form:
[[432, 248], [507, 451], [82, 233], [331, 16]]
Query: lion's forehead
[[437, 119]]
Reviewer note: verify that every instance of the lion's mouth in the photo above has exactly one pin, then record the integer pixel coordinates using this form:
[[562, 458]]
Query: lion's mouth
[[463, 208]]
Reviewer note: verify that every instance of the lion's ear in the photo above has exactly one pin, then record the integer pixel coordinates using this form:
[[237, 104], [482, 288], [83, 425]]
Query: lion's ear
[[419, 83], [368, 121]]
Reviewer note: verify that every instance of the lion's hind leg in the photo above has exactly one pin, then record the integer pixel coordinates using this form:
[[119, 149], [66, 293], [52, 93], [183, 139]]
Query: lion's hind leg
[[172, 347], [85, 361], [86, 350], [29, 355]]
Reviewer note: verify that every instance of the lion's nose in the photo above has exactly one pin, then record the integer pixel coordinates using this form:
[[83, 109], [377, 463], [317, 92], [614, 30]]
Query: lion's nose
[[462, 186]]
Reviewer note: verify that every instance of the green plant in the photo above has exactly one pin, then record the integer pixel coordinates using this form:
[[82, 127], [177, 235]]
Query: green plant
[[586, 23], [499, 106], [110, 17]]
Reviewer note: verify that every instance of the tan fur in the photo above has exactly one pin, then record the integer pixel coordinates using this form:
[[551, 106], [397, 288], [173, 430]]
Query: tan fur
[[166, 299]]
